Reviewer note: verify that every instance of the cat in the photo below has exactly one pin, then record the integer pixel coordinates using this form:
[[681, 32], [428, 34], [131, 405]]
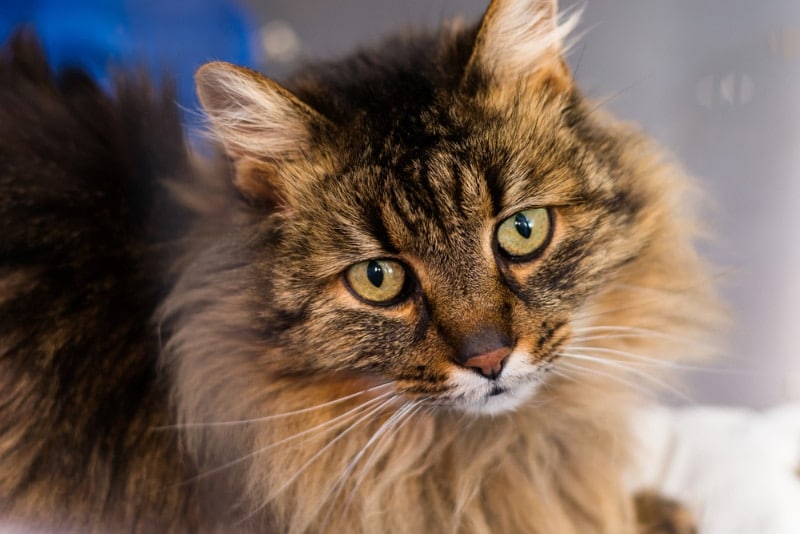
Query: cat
[[411, 296]]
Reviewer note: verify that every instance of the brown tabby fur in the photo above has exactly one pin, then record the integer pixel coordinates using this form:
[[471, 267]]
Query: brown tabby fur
[[414, 151]]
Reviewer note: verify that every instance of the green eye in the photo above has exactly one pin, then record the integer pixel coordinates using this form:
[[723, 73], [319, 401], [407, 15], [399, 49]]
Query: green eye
[[377, 281], [525, 233]]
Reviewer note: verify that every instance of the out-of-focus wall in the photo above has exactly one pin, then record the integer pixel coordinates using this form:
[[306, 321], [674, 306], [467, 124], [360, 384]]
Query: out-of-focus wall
[[717, 83]]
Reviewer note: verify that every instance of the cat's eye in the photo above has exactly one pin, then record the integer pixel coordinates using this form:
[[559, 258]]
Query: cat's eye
[[525, 234], [377, 281]]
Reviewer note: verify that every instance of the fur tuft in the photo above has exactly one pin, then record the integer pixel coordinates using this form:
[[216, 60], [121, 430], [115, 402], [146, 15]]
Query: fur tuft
[[87, 254], [520, 38]]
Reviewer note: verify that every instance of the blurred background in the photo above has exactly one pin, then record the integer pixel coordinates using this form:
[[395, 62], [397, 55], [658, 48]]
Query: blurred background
[[717, 83]]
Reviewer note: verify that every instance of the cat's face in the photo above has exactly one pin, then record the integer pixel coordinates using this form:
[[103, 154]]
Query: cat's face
[[442, 229], [484, 247]]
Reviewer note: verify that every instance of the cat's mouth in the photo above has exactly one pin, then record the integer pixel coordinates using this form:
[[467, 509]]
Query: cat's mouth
[[519, 382], [497, 390]]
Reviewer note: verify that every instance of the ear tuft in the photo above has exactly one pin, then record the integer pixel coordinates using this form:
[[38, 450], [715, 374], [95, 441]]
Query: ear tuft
[[252, 115], [519, 39], [267, 130]]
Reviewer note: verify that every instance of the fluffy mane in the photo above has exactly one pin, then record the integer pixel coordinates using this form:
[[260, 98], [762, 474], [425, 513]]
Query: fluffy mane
[[184, 356]]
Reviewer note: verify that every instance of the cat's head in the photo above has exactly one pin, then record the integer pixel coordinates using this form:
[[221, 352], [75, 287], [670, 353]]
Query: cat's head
[[440, 213]]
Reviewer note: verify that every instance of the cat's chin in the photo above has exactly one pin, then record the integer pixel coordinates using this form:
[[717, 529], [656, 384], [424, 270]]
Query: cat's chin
[[515, 387], [500, 400]]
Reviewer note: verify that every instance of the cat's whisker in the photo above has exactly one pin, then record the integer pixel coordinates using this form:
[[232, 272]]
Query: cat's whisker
[[415, 407], [620, 332], [685, 345], [333, 422], [639, 304], [380, 448], [272, 417], [639, 359], [634, 336], [642, 298], [633, 385], [662, 290], [581, 370], [621, 328], [628, 337], [643, 360], [625, 366], [337, 485], [343, 434], [718, 275], [389, 427], [563, 375]]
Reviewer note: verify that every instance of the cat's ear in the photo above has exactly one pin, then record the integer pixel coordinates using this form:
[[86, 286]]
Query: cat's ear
[[271, 135], [520, 41]]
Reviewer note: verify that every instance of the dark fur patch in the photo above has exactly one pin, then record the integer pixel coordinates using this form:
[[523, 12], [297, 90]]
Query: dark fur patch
[[86, 218]]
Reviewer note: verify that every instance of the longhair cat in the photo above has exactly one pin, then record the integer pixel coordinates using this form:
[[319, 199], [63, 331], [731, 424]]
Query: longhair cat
[[420, 293]]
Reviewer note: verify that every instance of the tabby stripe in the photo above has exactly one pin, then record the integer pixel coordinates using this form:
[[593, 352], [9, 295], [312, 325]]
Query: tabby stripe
[[495, 187], [424, 320], [404, 216], [377, 227], [562, 270], [458, 189], [430, 201]]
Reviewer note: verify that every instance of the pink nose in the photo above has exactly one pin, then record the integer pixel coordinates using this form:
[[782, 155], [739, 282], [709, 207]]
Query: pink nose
[[489, 364]]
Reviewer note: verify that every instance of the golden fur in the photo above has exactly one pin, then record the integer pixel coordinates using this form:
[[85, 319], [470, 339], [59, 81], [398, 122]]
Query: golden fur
[[554, 465], [284, 402]]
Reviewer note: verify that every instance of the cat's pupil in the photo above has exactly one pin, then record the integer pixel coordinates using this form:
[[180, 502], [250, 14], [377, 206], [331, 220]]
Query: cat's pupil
[[375, 273], [523, 225]]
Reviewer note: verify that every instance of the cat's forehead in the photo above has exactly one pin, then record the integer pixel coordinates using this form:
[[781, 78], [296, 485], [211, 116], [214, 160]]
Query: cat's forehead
[[394, 102], [436, 199], [422, 165], [438, 206], [477, 168]]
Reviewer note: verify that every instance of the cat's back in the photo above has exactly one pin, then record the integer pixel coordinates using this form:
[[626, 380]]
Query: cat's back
[[83, 220]]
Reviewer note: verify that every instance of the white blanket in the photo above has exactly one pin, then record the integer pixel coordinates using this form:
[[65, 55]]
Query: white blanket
[[737, 470]]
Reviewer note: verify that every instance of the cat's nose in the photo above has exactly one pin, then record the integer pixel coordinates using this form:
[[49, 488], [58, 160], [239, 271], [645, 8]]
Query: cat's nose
[[489, 364], [486, 353]]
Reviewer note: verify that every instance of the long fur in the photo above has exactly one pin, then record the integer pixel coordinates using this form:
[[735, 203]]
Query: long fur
[[85, 223], [177, 356]]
